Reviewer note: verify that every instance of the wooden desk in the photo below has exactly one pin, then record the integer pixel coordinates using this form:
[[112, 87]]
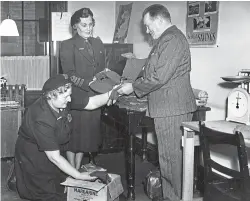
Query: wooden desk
[[190, 139]]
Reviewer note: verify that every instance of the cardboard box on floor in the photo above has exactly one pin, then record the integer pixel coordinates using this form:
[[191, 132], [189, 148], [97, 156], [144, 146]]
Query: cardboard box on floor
[[78, 190]]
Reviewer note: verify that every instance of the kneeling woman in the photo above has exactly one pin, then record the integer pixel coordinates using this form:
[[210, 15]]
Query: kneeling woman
[[45, 131]]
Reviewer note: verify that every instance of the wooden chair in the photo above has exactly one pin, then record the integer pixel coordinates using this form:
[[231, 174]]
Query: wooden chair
[[233, 185]]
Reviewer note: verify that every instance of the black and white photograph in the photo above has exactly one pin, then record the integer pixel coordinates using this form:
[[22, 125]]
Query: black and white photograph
[[125, 100], [202, 23], [210, 7], [193, 9]]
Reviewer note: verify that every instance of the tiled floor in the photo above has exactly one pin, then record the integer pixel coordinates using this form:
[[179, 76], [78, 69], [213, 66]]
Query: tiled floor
[[114, 163]]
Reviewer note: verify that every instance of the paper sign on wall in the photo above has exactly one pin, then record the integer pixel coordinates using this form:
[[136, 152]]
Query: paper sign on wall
[[61, 28]]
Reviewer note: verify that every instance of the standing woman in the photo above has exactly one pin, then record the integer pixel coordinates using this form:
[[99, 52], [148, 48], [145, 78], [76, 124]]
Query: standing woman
[[43, 134], [82, 56]]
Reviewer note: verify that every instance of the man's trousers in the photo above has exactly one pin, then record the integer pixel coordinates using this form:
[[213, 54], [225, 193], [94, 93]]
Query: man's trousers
[[169, 134]]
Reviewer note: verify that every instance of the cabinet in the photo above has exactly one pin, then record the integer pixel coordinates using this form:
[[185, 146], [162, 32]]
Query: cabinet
[[12, 102], [10, 123]]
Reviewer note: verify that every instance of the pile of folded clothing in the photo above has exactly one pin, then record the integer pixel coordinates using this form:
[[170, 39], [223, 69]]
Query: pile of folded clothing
[[96, 171], [132, 102]]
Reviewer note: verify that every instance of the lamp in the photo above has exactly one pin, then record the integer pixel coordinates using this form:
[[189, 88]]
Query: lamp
[[8, 27]]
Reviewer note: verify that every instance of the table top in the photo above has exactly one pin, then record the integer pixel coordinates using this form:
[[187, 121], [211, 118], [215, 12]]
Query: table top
[[132, 103], [220, 125]]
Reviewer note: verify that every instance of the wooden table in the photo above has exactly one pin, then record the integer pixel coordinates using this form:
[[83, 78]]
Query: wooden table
[[127, 121], [190, 139], [130, 121]]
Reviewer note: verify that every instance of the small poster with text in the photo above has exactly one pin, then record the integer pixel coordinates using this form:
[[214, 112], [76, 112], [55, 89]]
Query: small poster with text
[[202, 23]]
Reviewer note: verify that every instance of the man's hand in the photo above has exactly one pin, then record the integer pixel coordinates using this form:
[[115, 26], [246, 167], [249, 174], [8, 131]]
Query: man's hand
[[113, 95], [126, 88]]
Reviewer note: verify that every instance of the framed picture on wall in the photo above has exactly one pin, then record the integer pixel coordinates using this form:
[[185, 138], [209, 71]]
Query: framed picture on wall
[[210, 7], [193, 9], [202, 23], [122, 23]]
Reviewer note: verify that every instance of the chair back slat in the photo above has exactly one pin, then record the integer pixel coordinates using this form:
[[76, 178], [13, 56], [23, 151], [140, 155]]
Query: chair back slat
[[210, 137], [223, 169], [242, 153]]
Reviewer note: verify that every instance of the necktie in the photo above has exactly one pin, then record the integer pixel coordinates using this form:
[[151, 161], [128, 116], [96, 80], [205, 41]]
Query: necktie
[[89, 48]]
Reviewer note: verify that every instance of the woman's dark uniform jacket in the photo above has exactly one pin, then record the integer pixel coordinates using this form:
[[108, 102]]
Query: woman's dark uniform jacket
[[42, 129], [81, 66]]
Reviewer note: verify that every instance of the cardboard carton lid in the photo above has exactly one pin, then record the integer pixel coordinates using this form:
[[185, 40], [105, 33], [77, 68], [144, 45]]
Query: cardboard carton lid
[[96, 186], [115, 187]]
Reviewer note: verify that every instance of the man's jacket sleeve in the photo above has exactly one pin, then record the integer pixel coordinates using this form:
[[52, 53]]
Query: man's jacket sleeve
[[162, 69]]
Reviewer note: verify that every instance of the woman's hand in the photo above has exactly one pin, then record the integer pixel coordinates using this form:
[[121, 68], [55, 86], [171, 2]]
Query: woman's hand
[[85, 176], [128, 55]]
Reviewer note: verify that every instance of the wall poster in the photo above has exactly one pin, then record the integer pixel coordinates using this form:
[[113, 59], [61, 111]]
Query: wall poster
[[122, 23], [202, 23]]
